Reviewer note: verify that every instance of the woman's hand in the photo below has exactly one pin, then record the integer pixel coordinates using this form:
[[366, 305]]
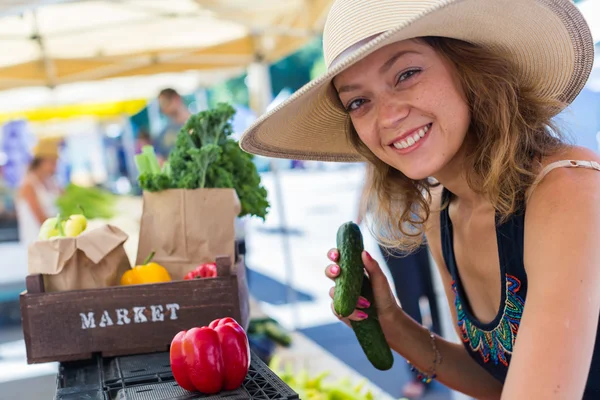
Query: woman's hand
[[385, 302]]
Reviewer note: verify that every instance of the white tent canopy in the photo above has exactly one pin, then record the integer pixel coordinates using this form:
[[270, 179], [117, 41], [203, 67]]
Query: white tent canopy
[[61, 42]]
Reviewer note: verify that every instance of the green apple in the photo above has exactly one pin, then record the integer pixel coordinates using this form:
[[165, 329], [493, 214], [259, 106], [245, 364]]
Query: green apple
[[49, 229], [75, 225]]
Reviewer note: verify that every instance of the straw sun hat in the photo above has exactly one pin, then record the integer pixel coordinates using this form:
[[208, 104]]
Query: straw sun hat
[[46, 148], [548, 40]]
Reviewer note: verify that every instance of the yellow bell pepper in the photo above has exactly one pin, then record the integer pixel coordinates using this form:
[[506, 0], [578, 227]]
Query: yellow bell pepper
[[148, 272]]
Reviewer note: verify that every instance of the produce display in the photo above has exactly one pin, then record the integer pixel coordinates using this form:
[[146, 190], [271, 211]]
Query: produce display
[[212, 358], [63, 226], [147, 272], [353, 283], [96, 202], [271, 329], [317, 387], [208, 270], [204, 156]]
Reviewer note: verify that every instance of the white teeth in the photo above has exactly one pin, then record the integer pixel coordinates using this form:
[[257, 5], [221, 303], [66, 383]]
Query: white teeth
[[411, 140]]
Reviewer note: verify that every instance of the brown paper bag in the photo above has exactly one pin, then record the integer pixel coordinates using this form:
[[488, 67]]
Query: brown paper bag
[[95, 259], [186, 228]]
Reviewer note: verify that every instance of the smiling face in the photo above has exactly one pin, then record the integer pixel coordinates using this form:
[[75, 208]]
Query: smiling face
[[407, 106]]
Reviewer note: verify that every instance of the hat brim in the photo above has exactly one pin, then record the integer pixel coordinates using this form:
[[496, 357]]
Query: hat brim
[[549, 41]]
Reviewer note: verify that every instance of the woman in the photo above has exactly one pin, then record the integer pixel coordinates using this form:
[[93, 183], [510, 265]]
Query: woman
[[452, 102], [36, 199]]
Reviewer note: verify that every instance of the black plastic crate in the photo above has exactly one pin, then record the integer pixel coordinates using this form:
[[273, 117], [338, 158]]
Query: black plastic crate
[[149, 377]]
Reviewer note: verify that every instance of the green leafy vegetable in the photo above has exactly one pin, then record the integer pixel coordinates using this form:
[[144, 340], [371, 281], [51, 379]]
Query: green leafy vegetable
[[205, 157], [96, 202], [236, 169], [153, 178]]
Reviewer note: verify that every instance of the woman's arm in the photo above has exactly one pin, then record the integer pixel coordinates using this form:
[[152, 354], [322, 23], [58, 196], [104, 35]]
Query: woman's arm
[[28, 194], [457, 369], [557, 334]]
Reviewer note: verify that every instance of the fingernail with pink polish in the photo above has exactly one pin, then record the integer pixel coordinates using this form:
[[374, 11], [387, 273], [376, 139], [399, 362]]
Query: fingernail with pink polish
[[364, 303], [332, 255], [368, 256], [361, 315], [335, 270]]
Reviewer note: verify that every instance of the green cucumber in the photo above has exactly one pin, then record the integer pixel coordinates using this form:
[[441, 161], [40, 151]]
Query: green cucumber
[[348, 283], [370, 335]]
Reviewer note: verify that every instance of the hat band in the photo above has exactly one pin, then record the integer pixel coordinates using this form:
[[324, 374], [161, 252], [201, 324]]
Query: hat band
[[351, 49]]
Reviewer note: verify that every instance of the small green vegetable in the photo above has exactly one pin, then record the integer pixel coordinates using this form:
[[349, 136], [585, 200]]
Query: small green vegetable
[[271, 329], [369, 333], [348, 283]]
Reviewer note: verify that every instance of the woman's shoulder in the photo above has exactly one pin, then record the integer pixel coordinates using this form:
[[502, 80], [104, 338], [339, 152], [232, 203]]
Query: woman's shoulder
[[574, 153], [27, 186], [573, 171], [565, 165], [26, 182]]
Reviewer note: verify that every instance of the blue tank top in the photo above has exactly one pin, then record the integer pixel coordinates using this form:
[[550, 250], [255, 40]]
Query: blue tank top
[[491, 344]]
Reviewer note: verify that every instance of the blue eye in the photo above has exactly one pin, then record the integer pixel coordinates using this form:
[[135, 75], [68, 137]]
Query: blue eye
[[354, 105], [407, 75]]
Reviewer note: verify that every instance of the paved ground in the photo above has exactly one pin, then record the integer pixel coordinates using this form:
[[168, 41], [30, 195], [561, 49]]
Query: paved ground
[[19, 381]]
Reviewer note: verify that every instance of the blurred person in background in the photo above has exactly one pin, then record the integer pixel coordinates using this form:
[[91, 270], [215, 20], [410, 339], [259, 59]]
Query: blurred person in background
[[6, 195], [143, 139], [37, 195], [173, 107], [413, 282]]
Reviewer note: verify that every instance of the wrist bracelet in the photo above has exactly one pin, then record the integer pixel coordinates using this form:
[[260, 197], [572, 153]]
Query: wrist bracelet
[[427, 377]]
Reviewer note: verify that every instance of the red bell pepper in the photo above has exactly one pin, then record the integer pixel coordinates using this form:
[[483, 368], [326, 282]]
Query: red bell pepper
[[211, 359], [208, 270]]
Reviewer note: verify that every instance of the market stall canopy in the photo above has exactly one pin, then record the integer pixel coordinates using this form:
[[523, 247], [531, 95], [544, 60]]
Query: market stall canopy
[[53, 42]]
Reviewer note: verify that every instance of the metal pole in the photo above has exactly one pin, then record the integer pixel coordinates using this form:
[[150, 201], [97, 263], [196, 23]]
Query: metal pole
[[259, 85], [286, 247]]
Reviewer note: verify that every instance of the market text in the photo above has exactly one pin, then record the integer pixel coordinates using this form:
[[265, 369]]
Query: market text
[[122, 316]]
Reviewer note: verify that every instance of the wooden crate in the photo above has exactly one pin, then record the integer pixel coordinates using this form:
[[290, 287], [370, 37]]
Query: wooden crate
[[124, 320]]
